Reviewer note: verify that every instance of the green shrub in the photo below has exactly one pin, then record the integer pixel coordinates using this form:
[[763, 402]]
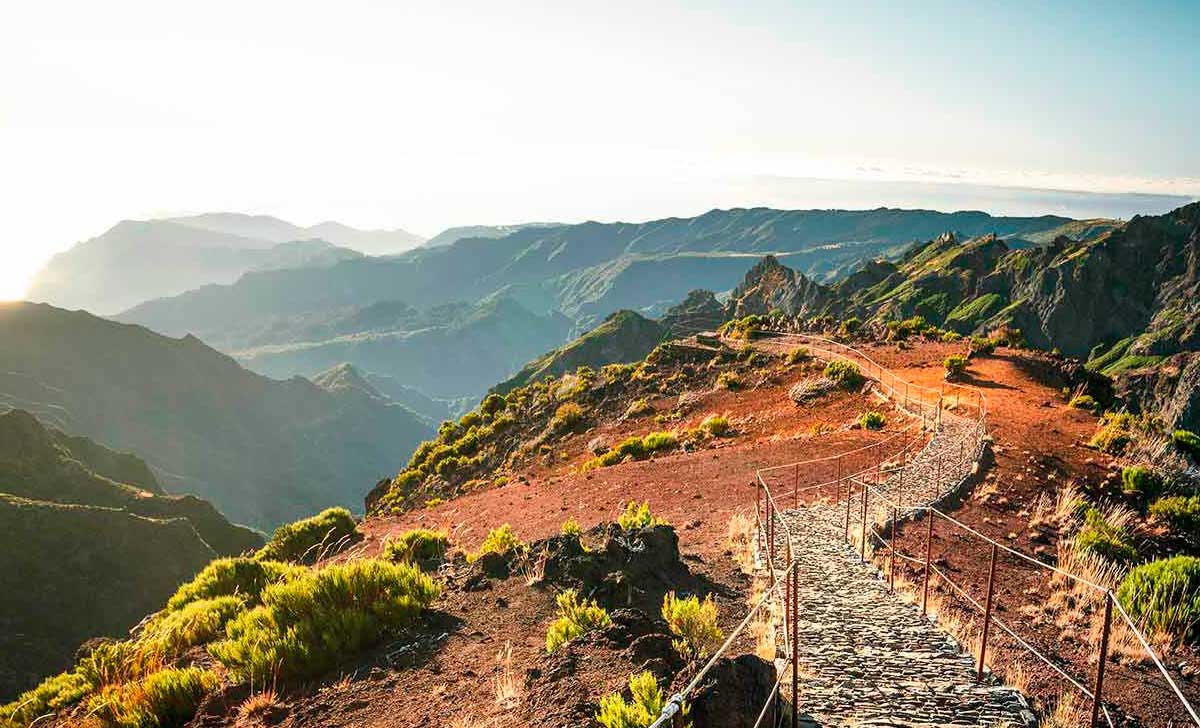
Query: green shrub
[[498, 541], [729, 380], [646, 706], [1115, 433], [844, 374], [1100, 537], [305, 626], [53, 694], [571, 528], [1181, 513], [240, 576], [716, 425], [694, 624], [1187, 441], [638, 407], [638, 516], [171, 634], [309, 539], [743, 328], [956, 366], [566, 416], [1083, 402], [1140, 481], [798, 355], [872, 420], [574, 618], [492, 404], [982, 345], [163, 699], [613, 373], [659, 441], [951, 336], [850, 325], [1164, 596], [416, 545]]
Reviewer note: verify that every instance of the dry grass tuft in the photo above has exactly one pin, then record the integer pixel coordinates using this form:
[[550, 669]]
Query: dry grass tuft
[[533, 568], [508, 688], [742, 532], [255, 709], [1069, 712]]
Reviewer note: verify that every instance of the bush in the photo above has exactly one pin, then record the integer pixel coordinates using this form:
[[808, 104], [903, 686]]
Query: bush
[[647, 704], [566, 416], [498, 541], [53, 694], [240, 576], [872, 420], [1181, 513], [171, 634], [956, 366], [1115, 433], [850, 325], [638, 407], [492, 404], [798, 355], [729, 380], [1100, 537], [165, 698], [659, 441], [574, 618], [305, 626], [694, 623], [844, 374], [716, 425], [1140, 481], [638, 516], [308, 539], [744, 328], [571, 528], [1083, 402], [416, 545], [982, 345], [1187, 441], [1164, 596], [613, 373]]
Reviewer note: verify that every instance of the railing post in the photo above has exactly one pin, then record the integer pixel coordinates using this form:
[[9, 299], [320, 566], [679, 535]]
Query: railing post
[[928, 556], [849, 496], [863, 541], [771, 537], [758, 520], [892, 548], [1098, 698], [987, 614], [795, 650]]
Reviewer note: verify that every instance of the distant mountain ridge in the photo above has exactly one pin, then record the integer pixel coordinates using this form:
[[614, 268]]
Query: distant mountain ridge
[[263, 451]]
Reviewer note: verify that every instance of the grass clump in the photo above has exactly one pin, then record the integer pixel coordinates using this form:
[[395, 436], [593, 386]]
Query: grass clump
[[1187, 441], [982, 345], [239, 576], [566, 416], [1084, 402], [716, 425], [416, 545], [743, 328], [872, 420], [694, 624], [956, 366], [165, 698], [634, 448], [1115, 433], [638, 515], [729, 380], [1104, 538], [574, 618], [305, 626], [171, 634], [1140, 481], [498, 541], [1164, 597], [53, 694], [799, 355], [638, 408], [646, 704], [308, 539], [571, 528], [1181, 513], [844, 374]]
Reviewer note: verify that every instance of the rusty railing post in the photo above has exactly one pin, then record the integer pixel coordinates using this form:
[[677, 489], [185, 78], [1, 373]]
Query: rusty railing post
[[1098, 698], [928, 556], [863, 541], [892, 548], [795, 649], [849, 497], [987, 614]]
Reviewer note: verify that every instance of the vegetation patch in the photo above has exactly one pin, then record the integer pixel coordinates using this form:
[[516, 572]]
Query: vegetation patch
[[169, 635], [872, 420], [694, 624], [956, 366], [716, 425], [1084, 402], [416, 546], [1181, 514], [1104, 538], [729, 380], [500, 540], [1164, 597], [165, 698], [566, 417], [1115, 433], [643, 708], [575, 617], [743, 328], [634, 448], [309, 539], [1187, 441], [1140, 481], [638, 408], [637, 516], [240, 577], [799, 355], [844, 374]]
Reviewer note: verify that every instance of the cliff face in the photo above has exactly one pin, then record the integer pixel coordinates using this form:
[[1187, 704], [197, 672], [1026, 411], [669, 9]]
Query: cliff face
[[772, 286]]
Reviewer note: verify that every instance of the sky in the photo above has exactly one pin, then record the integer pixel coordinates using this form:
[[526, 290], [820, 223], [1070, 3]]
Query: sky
[[425, 115]]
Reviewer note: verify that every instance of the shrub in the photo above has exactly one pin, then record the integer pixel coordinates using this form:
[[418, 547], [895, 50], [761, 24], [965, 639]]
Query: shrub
[[613, 373], [729, 380], [492, 404], [416, 545], [171, 634], [308, 539], [1164, 596], [744, 328], [1114, 434], [638, 407], [716, 425], [1100, 537], [53, 694], [872, 420], [574, 618], [956, 366], [982, 345], [798, 355], [571, 528], [637, 516], [1181, 513], [240, 576], [1140, 481], [647, 704], [659, 441], [850, 325], [1083, 402], [694, 623], [165, 698], [1187, 441], [307, 625], [498, 541], [844, 374], [566, 416], [951, 336]]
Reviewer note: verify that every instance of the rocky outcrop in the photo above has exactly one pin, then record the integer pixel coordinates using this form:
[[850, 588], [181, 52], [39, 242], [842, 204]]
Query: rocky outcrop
[[771, 286], [1171, 390]]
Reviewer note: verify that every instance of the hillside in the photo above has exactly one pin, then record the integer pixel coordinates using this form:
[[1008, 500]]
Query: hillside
[[262, 451], [452, 235], [92, 544], [139, 260]]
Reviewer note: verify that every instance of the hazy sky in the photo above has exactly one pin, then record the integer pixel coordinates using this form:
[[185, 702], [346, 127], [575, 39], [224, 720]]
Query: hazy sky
[[425, 115]]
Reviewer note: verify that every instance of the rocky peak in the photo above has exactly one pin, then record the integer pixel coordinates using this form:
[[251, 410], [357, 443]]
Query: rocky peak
[[772, 286]]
